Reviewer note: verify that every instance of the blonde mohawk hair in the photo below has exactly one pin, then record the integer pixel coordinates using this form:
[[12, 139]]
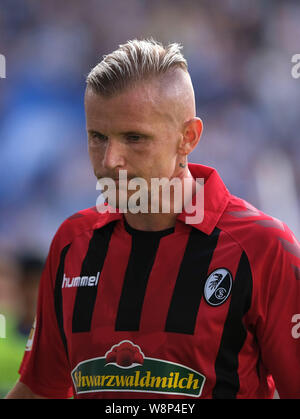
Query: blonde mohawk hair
[[132, 62]]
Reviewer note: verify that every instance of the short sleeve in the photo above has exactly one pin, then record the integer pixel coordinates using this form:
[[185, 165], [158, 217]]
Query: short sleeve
[[277, 329]]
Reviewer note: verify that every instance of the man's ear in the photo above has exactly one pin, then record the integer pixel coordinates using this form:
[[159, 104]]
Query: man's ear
[[191, 134]]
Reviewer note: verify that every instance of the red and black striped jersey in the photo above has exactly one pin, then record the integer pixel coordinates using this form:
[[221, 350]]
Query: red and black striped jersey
[[208, 310]]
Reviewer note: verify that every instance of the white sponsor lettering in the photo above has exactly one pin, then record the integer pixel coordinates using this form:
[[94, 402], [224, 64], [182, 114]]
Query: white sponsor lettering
[[80, 281]]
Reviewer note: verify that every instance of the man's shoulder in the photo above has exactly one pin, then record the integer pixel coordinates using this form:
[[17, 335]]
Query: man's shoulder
[[80, 223], [255, 231]]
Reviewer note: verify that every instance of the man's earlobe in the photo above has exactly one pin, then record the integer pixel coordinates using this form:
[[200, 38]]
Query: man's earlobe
[[191, 135]]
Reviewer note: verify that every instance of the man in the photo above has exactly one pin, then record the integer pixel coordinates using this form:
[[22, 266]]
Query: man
[[158, 304]]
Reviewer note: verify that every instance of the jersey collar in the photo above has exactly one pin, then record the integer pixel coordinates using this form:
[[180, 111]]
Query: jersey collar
[[216, 197]]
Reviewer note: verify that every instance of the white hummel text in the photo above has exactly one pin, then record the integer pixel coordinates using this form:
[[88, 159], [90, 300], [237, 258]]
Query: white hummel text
[[80, 281]]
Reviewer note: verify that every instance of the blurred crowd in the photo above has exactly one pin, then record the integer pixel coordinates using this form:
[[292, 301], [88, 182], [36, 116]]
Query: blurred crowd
[[239, 54]]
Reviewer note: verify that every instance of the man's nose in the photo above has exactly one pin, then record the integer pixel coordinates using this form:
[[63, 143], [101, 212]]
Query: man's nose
[[114, 155]]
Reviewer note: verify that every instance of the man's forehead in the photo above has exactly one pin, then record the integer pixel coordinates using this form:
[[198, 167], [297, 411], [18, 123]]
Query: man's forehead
[[169, 97], [141, 102]]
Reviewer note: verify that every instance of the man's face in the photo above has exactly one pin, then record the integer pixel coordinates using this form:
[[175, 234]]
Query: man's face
[[135, 130]]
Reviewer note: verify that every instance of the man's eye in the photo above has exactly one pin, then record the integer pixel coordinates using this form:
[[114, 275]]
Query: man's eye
[[97, 136], [134, 138]]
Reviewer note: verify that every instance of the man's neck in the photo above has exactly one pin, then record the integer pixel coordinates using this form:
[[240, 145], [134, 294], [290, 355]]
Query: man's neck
[[150, 222], [163, 220]]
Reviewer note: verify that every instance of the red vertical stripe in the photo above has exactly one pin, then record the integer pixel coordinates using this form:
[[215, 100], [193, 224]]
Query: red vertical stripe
[[111, 280]]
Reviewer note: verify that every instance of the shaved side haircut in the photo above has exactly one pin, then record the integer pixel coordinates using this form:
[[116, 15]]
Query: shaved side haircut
[[135, 61]]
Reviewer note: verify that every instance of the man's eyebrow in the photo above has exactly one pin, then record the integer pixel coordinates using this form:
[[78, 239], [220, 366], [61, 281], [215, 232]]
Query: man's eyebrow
[[123, 133], [136, 132], [94, 132]]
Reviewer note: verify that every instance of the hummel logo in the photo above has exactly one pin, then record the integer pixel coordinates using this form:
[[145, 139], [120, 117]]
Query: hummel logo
[[80, 281]]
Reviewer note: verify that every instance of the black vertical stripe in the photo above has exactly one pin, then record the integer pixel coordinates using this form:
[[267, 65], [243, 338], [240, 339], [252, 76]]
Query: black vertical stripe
[[58, 295], [191, 278], [142, 256], [92, 264], [234, 334]]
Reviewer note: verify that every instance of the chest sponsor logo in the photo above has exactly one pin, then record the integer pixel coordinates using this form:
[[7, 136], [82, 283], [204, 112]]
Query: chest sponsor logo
[[125, 368], [80, 281], [218, 287]]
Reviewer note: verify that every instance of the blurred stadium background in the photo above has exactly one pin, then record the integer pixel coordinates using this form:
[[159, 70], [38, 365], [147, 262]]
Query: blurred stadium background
[[239, 54]]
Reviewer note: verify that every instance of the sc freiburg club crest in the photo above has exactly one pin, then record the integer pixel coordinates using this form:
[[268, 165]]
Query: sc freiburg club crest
[[218, 286]]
